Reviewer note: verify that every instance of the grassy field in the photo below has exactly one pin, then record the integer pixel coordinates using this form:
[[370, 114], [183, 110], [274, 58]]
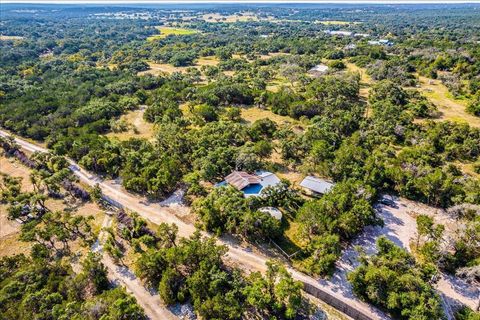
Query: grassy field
[[273, 55], [450, 108], [365, 80], [159, 68], [139, 127], [252, 114], [167, 31], [7, 38]]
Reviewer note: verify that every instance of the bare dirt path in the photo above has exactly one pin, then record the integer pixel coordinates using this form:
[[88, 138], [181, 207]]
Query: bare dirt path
[[158, 214], [121, 275]]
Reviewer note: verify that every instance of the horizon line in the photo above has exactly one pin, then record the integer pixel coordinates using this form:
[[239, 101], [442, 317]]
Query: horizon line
[[149, 2]]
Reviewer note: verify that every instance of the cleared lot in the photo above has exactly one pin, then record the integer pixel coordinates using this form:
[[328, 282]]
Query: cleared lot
[[400, 227]]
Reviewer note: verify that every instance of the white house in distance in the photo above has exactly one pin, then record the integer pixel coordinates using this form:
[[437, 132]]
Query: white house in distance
[[381, 42], [316, 186], [318, 70], [251, 184]]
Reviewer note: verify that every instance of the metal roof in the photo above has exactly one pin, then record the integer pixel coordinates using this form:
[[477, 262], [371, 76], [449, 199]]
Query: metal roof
[[241, 179], [316, 184]]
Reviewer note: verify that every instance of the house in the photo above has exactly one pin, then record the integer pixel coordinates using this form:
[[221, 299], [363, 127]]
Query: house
[[339, 33], [318, 70], [316, 186], [274, 212], [350, 46], [361, 35], [251, 184], [381, 42]]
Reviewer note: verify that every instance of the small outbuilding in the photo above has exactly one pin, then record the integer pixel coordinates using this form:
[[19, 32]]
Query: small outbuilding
[[274, 212], [316, 186], [318, 70]]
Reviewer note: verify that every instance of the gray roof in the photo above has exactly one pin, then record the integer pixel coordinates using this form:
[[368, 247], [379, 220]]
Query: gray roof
[[316, 184]]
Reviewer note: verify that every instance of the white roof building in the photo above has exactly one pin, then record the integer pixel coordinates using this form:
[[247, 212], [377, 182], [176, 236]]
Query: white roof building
[[274, 212], [316, 185], [339, 32], [319, 69]]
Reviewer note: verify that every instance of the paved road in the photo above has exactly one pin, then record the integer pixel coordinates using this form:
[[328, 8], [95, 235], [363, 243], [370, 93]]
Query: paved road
[[158, 214]]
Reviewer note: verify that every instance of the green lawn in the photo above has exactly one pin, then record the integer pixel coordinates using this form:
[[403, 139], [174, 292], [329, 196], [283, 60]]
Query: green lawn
[[166, 31]]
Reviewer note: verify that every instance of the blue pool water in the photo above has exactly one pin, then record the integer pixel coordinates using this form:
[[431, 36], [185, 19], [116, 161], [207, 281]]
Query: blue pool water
[[252, 189]]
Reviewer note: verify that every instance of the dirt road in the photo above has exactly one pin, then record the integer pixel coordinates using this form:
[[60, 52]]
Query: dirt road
[[400, 227], [120, 275], [158, 214]]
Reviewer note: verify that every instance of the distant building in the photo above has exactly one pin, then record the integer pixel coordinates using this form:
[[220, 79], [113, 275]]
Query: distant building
[[350, 46], [318, 70], [316, 186], [381, 42], [251, 184], [274, 212], [362, 35], [339, 33]]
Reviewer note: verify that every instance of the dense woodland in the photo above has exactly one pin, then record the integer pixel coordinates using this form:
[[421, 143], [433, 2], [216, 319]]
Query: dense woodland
[[68, 77]]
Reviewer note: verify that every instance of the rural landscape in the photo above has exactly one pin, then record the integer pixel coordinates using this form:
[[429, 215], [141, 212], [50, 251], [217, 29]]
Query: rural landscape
[[240, 161]]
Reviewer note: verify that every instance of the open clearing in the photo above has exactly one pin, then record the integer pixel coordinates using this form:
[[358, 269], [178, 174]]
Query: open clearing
[[160, 68], [365, 80], [252, 114], [400, 227], [168, 31], [9, 230], [10, 38], [451, 109], [139, 128]]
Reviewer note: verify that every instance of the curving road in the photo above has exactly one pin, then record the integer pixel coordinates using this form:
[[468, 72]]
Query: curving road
[[245, 259]]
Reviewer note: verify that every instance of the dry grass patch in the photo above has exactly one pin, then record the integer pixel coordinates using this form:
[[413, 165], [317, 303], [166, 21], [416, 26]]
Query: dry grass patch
[[158, 69], [10, 245], [207, 61], [10, 230], [252, 114], [468, 169], [450, 108], [273, 55], [162, 68], [168, 31], [139, 128], [10, 38], [364, 77]]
